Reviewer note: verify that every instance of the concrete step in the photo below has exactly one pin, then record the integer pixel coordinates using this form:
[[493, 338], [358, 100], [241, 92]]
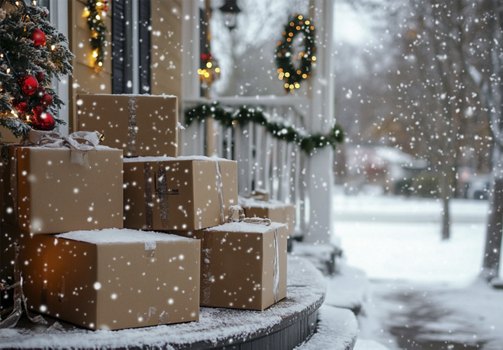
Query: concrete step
[[337, 330]]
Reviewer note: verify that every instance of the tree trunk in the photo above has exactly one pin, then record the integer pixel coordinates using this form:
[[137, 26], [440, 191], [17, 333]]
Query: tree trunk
[[446, 219], [492, 251], [492, 97]]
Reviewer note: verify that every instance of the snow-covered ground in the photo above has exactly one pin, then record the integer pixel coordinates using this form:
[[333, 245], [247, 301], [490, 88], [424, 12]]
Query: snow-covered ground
[[399, 238], [423, 290]]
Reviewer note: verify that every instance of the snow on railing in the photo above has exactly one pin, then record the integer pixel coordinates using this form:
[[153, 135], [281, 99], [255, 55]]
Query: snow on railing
[[264, 162]]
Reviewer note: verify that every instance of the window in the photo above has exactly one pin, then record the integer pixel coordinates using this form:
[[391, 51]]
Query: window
[[131, 25]]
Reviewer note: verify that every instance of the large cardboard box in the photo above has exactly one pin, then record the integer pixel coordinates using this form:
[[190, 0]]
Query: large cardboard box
[[184, 193], [113, 279], [243, 265], [142, 125], [275, 210], [55, 190]]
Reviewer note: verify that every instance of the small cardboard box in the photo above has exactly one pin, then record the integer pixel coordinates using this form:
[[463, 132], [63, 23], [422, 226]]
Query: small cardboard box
[[243, 265], [142, 125], [113, 279], [184, 193], [275, 210], [6, 136], [49, 190]]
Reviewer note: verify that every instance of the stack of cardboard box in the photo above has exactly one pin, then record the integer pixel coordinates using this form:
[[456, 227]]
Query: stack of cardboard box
[[78, 262]]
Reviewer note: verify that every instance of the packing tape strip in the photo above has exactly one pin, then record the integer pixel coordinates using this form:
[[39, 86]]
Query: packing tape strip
[[132, 126], [162, 194], [276, 266], [149, 205], [220, 186]]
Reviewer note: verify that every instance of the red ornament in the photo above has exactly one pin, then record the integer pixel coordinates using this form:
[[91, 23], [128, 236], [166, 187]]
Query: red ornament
[[29, 85], [21, 107], [40, 76], [38, 37], [43, 121], [206, 57], [46, 99]]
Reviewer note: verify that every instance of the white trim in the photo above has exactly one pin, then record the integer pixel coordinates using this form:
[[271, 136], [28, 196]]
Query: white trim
[[59, 18], [190, 47], [319, 174], [135, 14]]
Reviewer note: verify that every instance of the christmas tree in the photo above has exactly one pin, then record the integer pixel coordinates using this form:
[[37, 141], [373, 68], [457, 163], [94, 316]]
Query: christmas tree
[[32, 54]]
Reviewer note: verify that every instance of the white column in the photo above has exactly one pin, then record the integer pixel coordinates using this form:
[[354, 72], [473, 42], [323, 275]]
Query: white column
[[59, 17], [320, 166], [190, 80], [190, 47]]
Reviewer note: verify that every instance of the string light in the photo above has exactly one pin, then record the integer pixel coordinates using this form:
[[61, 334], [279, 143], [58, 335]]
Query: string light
[[95, 12], [209, 71]]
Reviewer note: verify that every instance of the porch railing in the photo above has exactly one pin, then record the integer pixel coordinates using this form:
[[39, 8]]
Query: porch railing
[[264, 162]]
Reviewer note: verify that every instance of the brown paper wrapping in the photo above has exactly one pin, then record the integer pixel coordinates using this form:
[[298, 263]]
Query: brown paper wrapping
[[274, 210], [43, 191], [178, 193], [6, 136], [113, 285], [142, 125], [243, 265]]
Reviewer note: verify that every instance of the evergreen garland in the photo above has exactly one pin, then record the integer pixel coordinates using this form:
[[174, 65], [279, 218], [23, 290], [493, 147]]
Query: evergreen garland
[[32, 54], [245, 115], [287, 72], [95, 12]]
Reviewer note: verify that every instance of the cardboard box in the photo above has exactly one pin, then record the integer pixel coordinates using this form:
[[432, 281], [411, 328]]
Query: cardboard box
[[275, 210], [113, 279], [54, 190], [184, 193], [243, 265], [6, 136], [142, 125]]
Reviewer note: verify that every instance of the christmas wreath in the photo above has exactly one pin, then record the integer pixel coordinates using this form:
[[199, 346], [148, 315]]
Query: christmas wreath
[[32, 53], [287, 72]]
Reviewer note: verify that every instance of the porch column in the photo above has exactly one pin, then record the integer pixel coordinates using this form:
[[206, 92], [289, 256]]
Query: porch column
[[319, 175]]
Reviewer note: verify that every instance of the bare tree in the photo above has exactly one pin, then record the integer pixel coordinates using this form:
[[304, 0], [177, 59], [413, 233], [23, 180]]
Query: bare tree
[[490, 79]]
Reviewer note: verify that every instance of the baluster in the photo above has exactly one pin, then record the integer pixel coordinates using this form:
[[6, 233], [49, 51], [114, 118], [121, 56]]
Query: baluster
[[228, 143], [258, 163], [219, 139], [267, 161], [274, 172], [199, 140]]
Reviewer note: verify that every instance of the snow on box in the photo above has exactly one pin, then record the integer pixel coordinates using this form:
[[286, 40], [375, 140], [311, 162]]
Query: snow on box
[[113, 279], [112, 236]]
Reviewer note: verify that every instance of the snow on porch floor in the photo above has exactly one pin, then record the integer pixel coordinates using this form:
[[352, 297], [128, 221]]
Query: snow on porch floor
[[423, 294], [306, 289]]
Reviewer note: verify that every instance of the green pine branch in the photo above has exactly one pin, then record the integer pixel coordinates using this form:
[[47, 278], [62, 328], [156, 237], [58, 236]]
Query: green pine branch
[[282, 131]]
